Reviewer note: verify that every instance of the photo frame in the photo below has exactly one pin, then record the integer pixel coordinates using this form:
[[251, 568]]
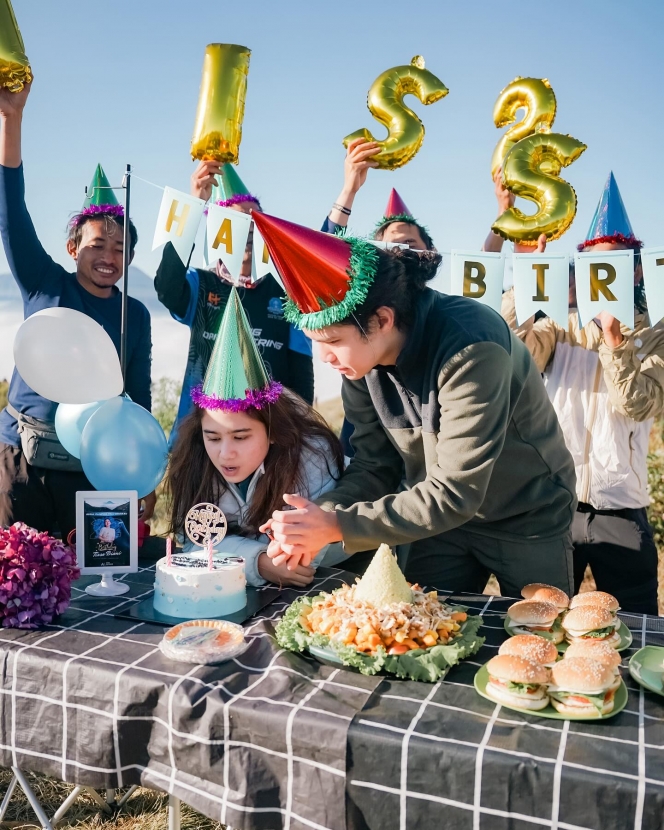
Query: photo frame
[[107, 537]]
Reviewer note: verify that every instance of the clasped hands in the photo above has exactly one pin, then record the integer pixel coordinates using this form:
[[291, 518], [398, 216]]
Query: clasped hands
[[299, 533]]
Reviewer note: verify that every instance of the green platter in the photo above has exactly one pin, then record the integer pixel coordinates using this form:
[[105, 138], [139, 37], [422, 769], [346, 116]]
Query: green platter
[[625, 637], [482, 678], [647, 668]]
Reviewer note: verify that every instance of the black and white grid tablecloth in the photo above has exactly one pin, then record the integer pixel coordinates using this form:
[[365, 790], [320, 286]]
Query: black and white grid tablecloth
[[274, 739]]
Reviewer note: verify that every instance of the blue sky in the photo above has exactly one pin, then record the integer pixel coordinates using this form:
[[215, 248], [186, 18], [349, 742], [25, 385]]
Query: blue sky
[[118, 82]]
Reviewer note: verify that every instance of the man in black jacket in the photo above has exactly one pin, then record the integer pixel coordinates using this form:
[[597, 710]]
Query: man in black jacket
[[197, 298]]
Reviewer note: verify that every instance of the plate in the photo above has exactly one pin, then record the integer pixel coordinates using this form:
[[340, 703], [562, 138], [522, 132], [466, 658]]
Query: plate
[[328, 656], [625, 637], [647, 668], [482, 678]]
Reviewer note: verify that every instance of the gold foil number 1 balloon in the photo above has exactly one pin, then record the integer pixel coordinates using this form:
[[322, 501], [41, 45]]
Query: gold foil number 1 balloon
[[537, 98], [385, 102], [15, 71], [218, 128]]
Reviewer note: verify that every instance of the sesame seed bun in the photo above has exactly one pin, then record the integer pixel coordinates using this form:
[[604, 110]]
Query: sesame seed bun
[[587, 618], [517, 669], [532, 703], [530, 647], [546, 593], [581, 674], [532, 612], [595, 598], [595, 649]]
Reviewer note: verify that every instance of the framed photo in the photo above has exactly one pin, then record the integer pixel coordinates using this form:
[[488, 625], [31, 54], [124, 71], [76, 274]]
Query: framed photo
[[107, 531]]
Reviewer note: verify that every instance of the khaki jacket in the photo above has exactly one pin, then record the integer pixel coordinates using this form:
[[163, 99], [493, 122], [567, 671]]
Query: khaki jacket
[[606, 400]]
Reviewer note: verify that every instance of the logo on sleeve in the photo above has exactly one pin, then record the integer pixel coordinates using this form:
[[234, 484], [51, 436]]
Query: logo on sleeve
[[275, 308]]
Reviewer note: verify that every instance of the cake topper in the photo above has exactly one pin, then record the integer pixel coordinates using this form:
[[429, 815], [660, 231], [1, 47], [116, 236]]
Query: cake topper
[[205, 523]]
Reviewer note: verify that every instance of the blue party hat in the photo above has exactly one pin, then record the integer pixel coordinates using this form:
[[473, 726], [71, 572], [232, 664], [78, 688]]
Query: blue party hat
[[611, 222]]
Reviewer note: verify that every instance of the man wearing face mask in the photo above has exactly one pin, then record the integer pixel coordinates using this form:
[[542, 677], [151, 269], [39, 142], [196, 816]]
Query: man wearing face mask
[[606, 383], [197, 298]]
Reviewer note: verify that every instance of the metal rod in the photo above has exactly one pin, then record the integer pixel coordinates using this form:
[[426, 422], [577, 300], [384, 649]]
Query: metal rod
[[125, 275], [32, 798], [125, 798], [173, 813], [110, 796], [8, 797], [66, 804], [94, 795]]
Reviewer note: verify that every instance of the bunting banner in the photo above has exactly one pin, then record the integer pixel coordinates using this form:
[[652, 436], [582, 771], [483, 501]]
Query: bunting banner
[[261, 261], [652, 260], [478, 275], [179, 217], [605, 282], [227, 234], [541, 283]]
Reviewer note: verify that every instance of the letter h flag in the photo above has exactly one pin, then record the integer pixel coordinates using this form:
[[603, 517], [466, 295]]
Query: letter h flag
[[179, 217]]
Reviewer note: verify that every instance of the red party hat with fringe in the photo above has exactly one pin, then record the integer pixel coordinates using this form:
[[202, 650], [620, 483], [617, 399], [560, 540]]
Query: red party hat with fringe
[[326, 277]]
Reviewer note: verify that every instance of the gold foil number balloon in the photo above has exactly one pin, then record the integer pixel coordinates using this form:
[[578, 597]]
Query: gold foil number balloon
[[537, 98], [385, 102], [524, 174], [218, 128], [15, 71]]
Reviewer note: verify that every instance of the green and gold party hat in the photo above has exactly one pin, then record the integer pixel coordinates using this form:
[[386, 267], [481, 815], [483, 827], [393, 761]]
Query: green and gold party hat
[[231, 190]]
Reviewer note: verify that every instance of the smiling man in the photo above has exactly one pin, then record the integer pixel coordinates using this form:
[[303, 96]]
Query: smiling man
[[42, 493]]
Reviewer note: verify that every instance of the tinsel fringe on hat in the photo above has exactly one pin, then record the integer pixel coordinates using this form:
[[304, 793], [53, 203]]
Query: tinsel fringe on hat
[[256, 398], [97, 210], [614, 238]]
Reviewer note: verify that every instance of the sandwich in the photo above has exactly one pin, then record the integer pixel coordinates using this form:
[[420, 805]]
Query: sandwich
[[582, 687], [591, 622], [518, 682], [533, 648], [597, 598], [600, 651], [546, 593], [535, 617]]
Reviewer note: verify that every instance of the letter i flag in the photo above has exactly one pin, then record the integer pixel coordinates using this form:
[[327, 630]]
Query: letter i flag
[[179, 217]]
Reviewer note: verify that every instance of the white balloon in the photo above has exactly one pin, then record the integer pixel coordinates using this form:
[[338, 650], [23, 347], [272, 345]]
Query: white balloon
[[66, 357]]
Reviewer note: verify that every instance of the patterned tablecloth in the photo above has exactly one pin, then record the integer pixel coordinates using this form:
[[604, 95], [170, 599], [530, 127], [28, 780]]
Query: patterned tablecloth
[[274, 739]]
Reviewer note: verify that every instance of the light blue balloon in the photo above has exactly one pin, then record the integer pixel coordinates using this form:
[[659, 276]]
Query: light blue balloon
[[124, 448], [70, 419]]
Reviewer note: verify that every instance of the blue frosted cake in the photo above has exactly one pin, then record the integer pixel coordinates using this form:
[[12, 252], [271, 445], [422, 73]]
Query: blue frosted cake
[[186, 589]]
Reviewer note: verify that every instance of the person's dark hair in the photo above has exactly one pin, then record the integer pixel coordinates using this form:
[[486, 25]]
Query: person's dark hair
[[293, 426], [401, 275], [424, 233], [75, 229]]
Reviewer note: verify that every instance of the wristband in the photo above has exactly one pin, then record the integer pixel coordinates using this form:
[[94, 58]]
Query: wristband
[[341, 208]]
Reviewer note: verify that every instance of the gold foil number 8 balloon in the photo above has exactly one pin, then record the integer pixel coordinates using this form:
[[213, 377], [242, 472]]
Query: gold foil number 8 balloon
[[385, 102], [537, 98]]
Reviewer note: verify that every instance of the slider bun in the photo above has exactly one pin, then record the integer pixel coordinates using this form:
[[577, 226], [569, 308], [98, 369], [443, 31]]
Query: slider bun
[[587, 618], [581, 674], [595, 598], [521, 701], [517, 669], [531, 647], [546, 593], [532, 612], [598, 650], [588, 711]]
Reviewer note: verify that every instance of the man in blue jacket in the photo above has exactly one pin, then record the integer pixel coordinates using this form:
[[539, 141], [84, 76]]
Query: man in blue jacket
[[45, 497]]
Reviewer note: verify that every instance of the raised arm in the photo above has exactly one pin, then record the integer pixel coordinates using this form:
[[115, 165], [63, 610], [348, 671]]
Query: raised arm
[[505, 198], [32, 268], [356, 166]]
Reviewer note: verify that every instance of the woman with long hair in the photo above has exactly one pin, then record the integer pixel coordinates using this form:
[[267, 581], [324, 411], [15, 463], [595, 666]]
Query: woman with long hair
[[458, 451], [248, 442]]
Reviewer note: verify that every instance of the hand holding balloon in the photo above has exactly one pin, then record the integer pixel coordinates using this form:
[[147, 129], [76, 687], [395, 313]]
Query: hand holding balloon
[[203, 179], [385, 102]]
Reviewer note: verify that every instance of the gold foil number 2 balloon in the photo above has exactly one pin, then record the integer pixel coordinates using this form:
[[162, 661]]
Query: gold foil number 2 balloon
[[537, 98], [532, 157], [385, 102]]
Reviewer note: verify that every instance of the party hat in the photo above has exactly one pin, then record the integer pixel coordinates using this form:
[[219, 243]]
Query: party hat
[[326, 277], [396, 210], [610, 222], [99, 199], [231, 190], [236, 378]]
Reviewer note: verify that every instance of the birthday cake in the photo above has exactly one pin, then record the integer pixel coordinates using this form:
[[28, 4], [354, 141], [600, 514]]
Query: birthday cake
[[188, 589]]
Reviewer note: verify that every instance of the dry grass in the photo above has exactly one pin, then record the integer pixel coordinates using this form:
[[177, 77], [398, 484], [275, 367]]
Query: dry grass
[[145, 810]]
